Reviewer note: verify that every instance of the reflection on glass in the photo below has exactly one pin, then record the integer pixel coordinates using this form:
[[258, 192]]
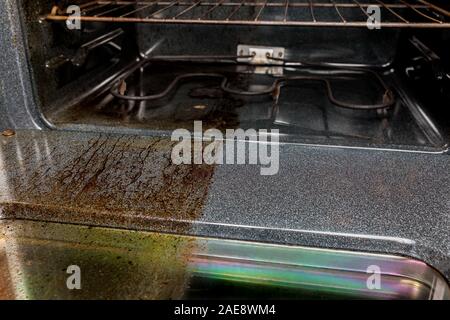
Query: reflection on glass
[[123, 264]]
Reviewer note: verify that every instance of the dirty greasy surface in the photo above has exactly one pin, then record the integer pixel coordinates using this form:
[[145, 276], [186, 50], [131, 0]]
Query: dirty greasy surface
[[98, 179], [125, 264], [301, 109], [363, 200], [114, 264]]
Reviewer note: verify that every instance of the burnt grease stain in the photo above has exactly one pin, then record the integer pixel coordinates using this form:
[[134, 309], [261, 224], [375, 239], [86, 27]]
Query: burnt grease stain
[[192, 99], [105, 180], [114, 263]]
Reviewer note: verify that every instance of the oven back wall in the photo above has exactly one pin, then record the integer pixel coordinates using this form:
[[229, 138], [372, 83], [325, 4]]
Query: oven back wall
[[338, 45], [57, 82]]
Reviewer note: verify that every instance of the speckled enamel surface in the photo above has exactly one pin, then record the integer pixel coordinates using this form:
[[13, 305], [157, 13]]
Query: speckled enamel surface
[[364, 200], [15, 85], [121, 181]]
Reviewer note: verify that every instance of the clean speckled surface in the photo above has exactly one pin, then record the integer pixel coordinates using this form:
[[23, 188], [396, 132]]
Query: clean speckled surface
[[15, 85], [358, 199], [366, 200]]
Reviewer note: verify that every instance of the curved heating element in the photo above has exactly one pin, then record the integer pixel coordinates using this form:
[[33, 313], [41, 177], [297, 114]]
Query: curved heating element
[[273, 90]]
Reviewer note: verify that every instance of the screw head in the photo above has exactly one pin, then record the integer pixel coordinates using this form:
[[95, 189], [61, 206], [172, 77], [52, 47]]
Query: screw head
[[8, 132]]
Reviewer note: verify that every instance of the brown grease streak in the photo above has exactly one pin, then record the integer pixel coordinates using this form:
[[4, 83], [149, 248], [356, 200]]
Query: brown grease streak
[[121, 181]]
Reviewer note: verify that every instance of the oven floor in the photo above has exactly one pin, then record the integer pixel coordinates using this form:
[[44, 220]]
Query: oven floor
[[301, 109]]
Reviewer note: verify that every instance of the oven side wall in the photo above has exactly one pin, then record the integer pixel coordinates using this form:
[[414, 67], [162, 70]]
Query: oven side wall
[[18, 108]]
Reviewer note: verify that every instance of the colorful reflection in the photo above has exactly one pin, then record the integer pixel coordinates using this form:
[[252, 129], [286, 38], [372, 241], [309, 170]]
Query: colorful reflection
[[123, 264], [324, 274]]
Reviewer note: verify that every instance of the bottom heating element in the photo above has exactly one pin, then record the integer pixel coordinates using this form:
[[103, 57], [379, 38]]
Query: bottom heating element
[[350, 107]]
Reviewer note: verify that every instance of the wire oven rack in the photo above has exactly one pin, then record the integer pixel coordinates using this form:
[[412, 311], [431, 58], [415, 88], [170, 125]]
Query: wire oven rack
[[331, 13]]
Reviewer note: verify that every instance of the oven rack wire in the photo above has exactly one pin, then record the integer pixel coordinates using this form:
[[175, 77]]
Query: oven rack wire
[[313, 13]]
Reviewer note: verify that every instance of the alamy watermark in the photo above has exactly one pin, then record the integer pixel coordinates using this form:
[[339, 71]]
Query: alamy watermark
[[237, 146], [373, 282], [73, 21], [74, 280], [373, 17]]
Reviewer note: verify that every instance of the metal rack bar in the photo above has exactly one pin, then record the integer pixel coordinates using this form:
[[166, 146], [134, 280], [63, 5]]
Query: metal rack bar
[[435, 7], [235, 10], [420, 4], [338, 12], [89, 9], [420, 12], [218, 4], [139, 9], [361, 7], [311, 8], [403, 13], [260, 10], [163, 9], [392, 11], [112, 10], [88, 4], [188, 9], [286, 10]]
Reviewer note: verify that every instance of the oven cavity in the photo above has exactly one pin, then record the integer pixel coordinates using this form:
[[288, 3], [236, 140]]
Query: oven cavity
[[336, 72]]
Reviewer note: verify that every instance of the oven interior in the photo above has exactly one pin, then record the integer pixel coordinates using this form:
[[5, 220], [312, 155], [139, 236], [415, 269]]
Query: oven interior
[[320, 71]]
